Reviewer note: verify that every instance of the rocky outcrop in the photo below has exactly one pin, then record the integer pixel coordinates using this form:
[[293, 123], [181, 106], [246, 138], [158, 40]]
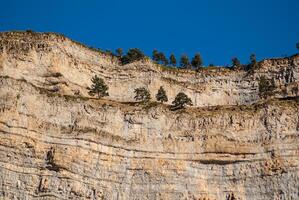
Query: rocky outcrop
[[59, 64], [58, 145]]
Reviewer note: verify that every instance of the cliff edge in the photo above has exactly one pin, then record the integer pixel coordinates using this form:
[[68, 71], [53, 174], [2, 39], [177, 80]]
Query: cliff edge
[[58, 143]]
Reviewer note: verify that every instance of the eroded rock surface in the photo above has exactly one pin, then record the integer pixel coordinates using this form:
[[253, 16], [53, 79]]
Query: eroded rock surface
[[58, 143]]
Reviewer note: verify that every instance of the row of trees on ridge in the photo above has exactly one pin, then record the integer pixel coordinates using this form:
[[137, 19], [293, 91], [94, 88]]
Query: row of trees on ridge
[[135, 54], [195, 63]]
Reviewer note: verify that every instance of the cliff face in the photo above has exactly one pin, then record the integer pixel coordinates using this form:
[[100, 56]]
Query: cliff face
[[58, 145], [56, 63]]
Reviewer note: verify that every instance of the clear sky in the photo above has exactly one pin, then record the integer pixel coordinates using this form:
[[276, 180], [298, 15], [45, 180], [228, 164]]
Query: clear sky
[[218, 29]]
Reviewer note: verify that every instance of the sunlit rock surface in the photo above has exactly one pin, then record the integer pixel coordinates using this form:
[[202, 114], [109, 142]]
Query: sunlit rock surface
[[58, 143]]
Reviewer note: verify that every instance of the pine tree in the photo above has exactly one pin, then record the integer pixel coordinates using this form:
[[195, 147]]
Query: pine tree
[[163, 58], [161, 95], [196, 61], [172, 60], [253, 63], [155, 56], [98, 87], [184, 61], [236, 64], [142, 94], [180, 101], [133, 54]]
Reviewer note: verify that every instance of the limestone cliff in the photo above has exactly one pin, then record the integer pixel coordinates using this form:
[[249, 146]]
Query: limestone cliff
[[58, 143]]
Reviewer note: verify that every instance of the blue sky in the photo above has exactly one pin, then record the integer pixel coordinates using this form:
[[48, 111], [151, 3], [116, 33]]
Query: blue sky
[[218, 29]]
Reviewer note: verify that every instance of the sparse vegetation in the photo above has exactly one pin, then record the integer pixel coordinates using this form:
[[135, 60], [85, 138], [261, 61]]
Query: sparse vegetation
[[253, 62], [163, 59], [184, 62], [132, 55], [155, 55], [98, 87], [196, 61], [161, 95], [159, 57], [50, 164], [119, 52], [266, 87], [172, 60], [142, 94], [29, 31], [180, 101], [236, 64]]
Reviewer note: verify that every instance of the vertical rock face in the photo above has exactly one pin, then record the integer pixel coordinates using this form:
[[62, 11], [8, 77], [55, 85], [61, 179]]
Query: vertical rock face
[[57, 143]]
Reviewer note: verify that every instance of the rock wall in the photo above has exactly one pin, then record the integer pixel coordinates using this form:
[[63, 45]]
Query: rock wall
[[59, 64], [57, 145]]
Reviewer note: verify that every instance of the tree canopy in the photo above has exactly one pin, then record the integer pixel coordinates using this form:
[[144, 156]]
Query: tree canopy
[[161, 95], [196, 61], [172, 60], [159, 57], [184, 62], [155, 55], [180, 101], [132, 55], [236, 64], [142, 94], [253, 62], [98, 87]]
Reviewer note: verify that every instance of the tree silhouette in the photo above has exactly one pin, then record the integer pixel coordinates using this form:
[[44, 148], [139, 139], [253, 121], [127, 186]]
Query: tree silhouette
[[155, 55], [172, 60], [132, 55], [196, 61], [162, 58], [236, 64], [184, 62], [253, 63]]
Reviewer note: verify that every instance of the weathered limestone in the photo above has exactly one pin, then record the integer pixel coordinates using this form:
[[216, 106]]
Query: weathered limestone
[[57, 145], [56, 63]]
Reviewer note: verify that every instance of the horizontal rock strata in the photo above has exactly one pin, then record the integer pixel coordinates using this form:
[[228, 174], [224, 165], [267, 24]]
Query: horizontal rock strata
[[56, 145]]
